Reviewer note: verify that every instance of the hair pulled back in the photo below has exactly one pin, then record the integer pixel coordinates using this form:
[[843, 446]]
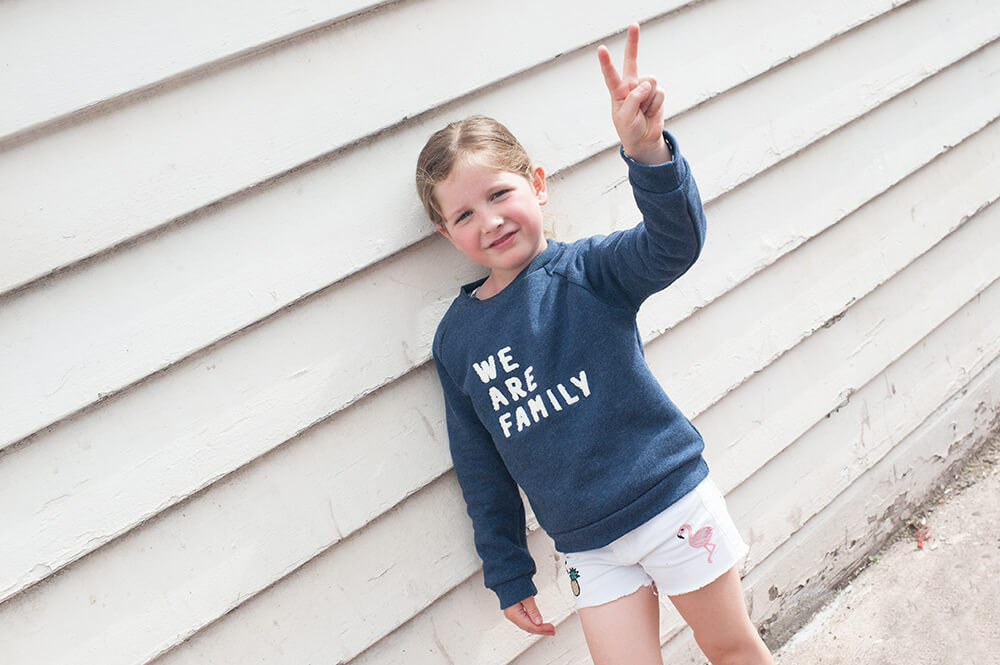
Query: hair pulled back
[[478, 137]]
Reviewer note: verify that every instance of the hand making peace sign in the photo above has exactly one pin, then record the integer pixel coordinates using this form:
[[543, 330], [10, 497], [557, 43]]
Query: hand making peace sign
[[636, 104]]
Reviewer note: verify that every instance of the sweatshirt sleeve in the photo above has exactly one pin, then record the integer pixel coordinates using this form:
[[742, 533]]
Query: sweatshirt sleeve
[[629, 266], [491, 497]]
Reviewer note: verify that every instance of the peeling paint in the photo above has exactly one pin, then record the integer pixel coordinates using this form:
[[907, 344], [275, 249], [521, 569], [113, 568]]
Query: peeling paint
[[380, 574], [439, 644], [833, 319], [333, 518]]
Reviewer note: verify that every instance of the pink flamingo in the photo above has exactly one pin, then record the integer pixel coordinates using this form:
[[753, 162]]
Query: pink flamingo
[[701, 538]]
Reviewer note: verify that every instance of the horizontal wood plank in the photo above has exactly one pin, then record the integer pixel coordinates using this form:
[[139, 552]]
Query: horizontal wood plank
[[77, 49]]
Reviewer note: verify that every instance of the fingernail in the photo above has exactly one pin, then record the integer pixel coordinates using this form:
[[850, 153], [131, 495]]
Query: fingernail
[[537, 620]]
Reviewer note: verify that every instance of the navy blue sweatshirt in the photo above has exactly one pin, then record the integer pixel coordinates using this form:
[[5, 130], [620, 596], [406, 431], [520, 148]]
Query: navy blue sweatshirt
[[546, 387]]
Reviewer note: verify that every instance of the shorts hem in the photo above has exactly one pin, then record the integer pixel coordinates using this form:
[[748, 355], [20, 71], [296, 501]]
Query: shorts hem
[[703, 582], [580, 606]]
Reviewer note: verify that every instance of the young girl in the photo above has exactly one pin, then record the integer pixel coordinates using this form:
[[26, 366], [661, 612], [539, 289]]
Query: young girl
[[546, 388]]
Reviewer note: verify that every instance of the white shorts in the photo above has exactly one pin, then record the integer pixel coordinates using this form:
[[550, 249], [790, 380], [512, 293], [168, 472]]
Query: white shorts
[[687, 546]]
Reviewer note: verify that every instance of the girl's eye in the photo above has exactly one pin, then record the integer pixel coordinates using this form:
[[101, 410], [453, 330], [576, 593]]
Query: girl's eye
[[463, 217], [498, 194]]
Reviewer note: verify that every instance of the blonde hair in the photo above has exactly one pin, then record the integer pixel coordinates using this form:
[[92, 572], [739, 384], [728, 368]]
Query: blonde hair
[[477, 136]]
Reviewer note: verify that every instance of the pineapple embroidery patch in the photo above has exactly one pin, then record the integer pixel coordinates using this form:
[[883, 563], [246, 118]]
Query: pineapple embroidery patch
[[574, 581]]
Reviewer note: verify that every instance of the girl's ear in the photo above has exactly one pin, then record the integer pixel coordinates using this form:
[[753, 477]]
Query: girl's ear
[[447, 235], [538, 184]]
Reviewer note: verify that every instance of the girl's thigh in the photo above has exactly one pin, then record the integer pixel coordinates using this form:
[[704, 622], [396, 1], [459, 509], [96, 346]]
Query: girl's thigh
[[624, 631], [718, 616]]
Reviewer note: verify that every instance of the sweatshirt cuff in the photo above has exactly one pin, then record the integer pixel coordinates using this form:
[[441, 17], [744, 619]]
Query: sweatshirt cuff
[[514, 591], [659, 178]]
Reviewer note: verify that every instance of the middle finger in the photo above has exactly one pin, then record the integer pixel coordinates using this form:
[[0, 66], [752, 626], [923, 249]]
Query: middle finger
[[630, 71]]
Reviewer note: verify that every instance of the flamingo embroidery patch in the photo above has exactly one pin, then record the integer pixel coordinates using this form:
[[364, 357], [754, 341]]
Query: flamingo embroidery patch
[[702, 538], [574, 584]]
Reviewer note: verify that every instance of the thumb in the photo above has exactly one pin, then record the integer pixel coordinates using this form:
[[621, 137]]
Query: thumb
[[532, 609], [630, 106]]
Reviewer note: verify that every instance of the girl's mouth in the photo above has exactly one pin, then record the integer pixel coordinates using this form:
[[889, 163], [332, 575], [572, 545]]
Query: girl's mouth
[[503, 240]]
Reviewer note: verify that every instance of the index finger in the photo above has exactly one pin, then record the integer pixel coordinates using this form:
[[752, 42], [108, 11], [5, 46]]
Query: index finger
[[611, 78], [525, 623], [630, 70], [520, 615]]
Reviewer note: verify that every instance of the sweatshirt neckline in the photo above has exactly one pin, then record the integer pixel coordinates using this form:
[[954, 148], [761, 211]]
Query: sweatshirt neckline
[[536, 263]]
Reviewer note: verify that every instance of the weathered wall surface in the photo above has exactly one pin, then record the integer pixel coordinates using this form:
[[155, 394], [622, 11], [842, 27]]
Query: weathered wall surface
[[221, 437]]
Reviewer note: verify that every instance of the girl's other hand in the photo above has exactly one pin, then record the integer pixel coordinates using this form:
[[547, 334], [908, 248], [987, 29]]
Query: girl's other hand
[[636, 104], [525, 615]]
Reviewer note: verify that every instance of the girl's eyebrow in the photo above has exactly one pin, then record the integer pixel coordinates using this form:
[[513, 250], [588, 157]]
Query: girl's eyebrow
[[452, 215]]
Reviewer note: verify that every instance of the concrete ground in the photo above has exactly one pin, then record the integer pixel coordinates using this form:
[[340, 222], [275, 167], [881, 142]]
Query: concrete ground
[[932, 605]]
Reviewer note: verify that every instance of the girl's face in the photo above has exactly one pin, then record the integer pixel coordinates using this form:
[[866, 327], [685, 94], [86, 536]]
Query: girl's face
[[493, 217]]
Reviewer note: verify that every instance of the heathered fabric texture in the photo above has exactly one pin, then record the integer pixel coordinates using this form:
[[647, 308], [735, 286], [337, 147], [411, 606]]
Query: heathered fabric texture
[[546, 387]]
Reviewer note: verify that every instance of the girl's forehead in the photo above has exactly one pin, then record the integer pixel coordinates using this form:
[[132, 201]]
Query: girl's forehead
[[482, 163], [471, 169], [475, 160]]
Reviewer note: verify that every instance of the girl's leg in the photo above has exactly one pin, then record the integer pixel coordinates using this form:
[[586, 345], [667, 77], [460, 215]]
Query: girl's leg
[[625, 631], [721, 625]]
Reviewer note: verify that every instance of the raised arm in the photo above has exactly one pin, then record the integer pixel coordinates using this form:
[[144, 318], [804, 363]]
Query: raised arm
[[629, 266], [636, 104]]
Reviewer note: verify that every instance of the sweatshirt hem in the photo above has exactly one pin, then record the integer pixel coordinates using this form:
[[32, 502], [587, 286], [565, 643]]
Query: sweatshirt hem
[[650, 504]]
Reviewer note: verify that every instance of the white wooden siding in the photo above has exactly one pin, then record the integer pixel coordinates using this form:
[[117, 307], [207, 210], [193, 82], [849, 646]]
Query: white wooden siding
[[131, 45], [221, 438]]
